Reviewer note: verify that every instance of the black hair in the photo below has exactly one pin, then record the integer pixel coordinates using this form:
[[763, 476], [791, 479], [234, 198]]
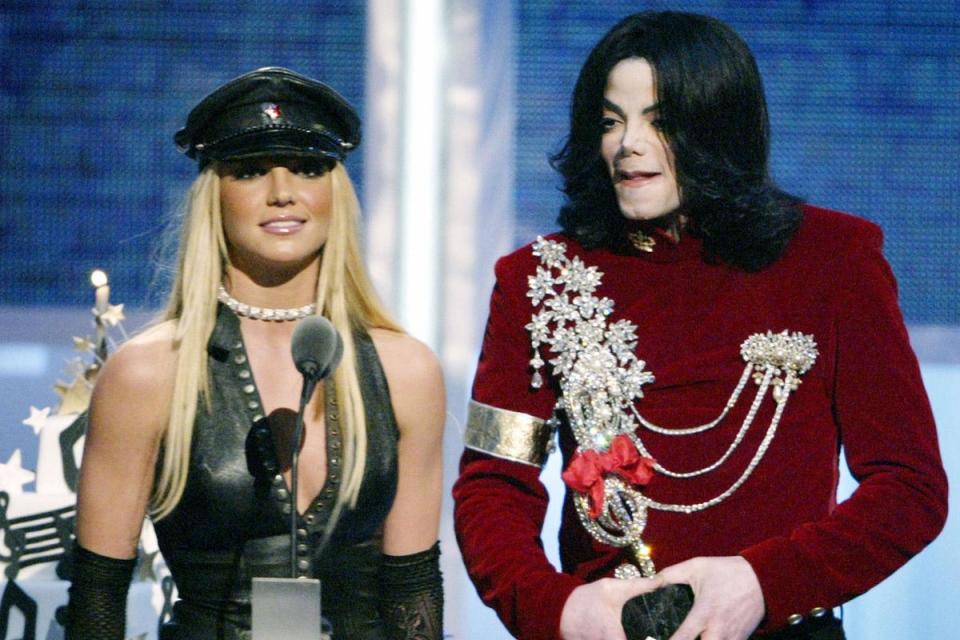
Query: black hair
[[714, 116]]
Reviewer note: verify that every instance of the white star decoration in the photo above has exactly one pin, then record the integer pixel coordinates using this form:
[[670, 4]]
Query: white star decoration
[[113, 315], [13, 476], [38, 418], [83, 344]]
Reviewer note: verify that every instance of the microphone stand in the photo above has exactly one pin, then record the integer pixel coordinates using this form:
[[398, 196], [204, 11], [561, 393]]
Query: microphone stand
[[290, 608], [310, 380]]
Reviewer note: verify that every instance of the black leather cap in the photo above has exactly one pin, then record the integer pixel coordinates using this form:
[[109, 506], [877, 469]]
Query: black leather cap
[[270, 111]]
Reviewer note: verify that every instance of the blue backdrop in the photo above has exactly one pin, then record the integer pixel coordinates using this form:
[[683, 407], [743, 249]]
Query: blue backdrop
[[862, 99], [90, 97]]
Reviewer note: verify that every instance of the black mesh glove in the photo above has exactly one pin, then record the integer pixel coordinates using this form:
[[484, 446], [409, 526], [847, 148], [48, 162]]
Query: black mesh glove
[[411, 595], [98, 596], [656, 614]]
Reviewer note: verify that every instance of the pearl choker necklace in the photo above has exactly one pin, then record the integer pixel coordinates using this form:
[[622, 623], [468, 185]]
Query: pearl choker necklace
[[260, 313]]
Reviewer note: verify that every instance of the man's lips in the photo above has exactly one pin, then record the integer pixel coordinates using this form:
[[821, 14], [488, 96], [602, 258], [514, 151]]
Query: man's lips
[[636, 178], [283, 226]]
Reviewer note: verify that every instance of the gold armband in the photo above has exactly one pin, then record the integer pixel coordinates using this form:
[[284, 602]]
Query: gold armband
[[508, 434]]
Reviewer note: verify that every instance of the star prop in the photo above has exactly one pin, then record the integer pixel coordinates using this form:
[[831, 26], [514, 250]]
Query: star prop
[[82, 344], [113, 315], [38, 418], [13, 476], [74, 396]]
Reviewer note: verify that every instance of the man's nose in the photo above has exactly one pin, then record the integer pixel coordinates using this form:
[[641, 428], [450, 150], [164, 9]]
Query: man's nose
[[634, 140]]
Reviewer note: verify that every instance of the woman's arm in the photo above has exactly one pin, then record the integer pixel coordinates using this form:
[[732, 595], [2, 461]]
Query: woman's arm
[[411, 597], [127, 416], [128, 413], [417, 395]]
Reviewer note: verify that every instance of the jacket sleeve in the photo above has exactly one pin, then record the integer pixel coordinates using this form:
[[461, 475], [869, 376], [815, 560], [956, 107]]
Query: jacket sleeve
[[890, 444], [501, 504]]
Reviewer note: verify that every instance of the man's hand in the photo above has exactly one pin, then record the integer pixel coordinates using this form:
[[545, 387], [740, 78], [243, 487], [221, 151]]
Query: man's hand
[[592, 612], [728, 601]]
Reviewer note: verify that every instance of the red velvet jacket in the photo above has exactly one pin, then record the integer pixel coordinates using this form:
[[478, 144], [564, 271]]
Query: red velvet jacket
[[863, 392]]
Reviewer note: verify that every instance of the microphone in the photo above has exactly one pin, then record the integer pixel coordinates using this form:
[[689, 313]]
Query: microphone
[[316, 347]]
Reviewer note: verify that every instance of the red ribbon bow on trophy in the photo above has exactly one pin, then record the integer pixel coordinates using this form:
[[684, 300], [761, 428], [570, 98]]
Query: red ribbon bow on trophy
[[587, 469]]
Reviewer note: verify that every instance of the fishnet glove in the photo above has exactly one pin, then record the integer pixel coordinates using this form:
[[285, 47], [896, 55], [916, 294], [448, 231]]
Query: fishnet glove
[[411, 595], [98, 596]]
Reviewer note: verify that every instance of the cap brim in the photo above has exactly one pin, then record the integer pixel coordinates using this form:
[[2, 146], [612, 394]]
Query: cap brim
[[274, 141]]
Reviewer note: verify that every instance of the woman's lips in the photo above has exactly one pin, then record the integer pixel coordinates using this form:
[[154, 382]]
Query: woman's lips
[[283, 226]]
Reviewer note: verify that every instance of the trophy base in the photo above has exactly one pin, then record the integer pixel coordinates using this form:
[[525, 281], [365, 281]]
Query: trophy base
[[286, 609]]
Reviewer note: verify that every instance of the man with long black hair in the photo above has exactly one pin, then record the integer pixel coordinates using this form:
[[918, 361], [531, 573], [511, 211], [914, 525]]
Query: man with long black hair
[[703, 344]]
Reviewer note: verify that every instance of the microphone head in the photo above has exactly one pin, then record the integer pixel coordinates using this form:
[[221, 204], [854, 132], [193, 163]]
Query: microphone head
[[316, 347]]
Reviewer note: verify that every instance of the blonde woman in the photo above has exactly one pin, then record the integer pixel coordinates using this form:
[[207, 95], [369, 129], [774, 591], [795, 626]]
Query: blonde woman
[[192, 420]]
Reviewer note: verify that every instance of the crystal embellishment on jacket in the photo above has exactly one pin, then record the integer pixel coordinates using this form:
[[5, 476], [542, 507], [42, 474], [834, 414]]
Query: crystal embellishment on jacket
[[601, 380]]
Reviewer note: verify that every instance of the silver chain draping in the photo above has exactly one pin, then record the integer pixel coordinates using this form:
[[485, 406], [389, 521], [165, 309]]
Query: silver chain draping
[[747, 422]]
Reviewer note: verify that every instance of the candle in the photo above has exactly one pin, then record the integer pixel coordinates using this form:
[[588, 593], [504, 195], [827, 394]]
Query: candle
[[99, 280]]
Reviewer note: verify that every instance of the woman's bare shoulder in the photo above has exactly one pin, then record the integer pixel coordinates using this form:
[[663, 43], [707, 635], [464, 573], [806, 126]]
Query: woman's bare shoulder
[[402, 355], [142, 368], [415, 380]]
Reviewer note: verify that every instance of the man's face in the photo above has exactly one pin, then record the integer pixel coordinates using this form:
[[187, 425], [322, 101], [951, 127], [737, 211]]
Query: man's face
[[633, 147]]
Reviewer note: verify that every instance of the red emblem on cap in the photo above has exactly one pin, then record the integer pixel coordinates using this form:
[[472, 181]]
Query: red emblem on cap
[[272, 110]]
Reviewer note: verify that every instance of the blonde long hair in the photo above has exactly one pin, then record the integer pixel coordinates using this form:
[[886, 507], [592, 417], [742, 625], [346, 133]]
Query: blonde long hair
[[345, 296]]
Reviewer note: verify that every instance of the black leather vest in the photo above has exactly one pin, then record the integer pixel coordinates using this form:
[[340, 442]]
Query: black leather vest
[[233, 521]]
